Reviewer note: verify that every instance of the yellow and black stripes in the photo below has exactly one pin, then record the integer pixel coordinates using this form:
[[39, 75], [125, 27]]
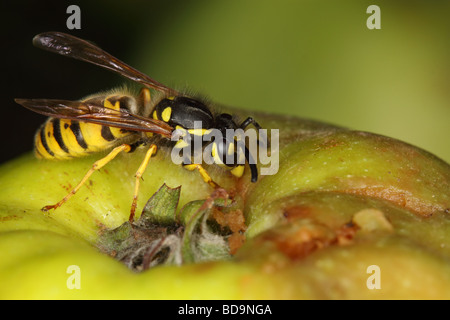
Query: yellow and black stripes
[[75, 127], [64, 139]]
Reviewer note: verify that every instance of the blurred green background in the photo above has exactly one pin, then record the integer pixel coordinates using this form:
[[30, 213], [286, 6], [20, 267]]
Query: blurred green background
[[311, 59]]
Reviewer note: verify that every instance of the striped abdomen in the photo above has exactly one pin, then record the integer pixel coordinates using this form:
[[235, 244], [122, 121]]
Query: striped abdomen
[[65, 139]]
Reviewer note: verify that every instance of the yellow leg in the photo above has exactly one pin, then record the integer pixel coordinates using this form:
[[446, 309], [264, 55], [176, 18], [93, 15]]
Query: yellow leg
[[151, 151], [96, 166], [206, 177]]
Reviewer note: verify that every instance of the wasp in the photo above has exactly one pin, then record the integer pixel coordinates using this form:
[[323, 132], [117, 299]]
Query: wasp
[[121, 122]]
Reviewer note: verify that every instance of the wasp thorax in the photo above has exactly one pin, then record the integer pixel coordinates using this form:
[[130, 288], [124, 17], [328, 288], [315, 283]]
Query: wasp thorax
[[183, 111]]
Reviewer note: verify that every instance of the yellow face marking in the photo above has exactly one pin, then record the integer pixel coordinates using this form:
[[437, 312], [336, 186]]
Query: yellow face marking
[[167, 112], [181, 144], [155, 115], [171, 98], [181, 130]]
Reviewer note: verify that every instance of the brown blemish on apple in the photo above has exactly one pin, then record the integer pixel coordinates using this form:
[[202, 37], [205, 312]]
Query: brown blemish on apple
[[8, 218], [235, 221], [300, 237], [330, 143]]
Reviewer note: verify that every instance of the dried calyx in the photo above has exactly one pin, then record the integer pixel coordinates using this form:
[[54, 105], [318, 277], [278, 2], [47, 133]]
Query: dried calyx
[[164, 235]]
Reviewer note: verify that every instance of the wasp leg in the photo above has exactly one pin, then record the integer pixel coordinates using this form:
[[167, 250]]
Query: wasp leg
[[96, 166], [249, 121], [206, 177], [150, 152], [219, 193]]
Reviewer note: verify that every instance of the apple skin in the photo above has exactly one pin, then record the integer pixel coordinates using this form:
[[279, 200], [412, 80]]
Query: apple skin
[[341, 203]]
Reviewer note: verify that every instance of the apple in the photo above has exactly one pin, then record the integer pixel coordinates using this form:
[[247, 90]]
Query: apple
[[347, 215]]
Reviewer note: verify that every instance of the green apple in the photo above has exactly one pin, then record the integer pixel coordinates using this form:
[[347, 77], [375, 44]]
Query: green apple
[[347, 215]]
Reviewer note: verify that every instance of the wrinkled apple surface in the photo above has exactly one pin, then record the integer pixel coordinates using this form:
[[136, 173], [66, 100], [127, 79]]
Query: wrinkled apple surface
[[347, 215]]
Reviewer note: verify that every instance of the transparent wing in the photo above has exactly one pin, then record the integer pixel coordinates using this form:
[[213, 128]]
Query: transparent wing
[[89, 112], [70, 46]]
